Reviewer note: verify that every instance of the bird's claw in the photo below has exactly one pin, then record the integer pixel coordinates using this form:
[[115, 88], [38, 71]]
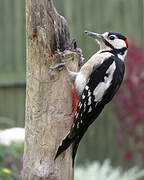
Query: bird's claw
[[62, 63], [58, 66]]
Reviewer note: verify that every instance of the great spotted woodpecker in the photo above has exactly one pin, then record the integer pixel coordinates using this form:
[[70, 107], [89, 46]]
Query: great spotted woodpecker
[[95, 85]]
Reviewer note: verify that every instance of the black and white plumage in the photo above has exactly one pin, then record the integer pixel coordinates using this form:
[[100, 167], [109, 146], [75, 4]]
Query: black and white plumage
[[96, 84]]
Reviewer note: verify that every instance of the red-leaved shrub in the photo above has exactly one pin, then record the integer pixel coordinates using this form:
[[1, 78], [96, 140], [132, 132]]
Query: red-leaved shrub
[[129, 107]]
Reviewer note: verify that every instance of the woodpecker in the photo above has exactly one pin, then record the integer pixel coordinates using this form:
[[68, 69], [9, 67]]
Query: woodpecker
[[95, 85]]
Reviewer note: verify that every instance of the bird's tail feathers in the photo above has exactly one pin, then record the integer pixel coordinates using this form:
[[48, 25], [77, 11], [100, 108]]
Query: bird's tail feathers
[[65, 144], [74, 150]]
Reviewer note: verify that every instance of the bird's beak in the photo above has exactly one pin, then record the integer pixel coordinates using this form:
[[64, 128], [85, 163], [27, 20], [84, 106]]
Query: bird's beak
[[98, 37]]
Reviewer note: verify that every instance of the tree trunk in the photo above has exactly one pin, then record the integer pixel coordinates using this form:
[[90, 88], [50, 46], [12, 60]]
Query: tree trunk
[[48, 93]]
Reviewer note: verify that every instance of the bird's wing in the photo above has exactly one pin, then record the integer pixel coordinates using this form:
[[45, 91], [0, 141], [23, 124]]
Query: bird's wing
[[96, 94], [88, 106]]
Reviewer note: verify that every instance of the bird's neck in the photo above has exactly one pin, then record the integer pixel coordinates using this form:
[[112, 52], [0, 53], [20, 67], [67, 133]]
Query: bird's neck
[[120, 53]]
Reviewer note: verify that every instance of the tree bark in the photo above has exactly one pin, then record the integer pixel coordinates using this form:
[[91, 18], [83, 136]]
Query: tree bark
[[48, 93]]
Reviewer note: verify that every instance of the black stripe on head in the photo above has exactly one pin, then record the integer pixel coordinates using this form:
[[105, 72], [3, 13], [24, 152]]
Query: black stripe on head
[[116, 51], [108, 44], [118, 35]]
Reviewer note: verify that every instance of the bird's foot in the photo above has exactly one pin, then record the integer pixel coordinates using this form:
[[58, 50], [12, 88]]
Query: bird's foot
[[62, 63], [58, 66]]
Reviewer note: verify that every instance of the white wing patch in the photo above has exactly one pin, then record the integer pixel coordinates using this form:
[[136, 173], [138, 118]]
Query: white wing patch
[[86, 87], [90, 109], [103, 86], [89, 101], [89, 93], [83, 96]]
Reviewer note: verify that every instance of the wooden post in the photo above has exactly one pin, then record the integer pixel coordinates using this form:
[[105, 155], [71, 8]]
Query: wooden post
[[48, 93]]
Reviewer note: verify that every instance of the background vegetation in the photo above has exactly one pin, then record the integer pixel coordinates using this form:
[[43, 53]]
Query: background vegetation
[[104, 137]]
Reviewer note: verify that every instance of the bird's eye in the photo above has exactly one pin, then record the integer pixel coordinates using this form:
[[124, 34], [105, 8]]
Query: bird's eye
[[111, 37]]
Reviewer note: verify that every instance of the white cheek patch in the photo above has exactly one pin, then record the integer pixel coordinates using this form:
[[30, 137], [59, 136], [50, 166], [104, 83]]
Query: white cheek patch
[[118, 43]]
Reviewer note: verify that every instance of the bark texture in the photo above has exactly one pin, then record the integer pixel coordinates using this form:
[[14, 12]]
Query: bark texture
[[48, 93]]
